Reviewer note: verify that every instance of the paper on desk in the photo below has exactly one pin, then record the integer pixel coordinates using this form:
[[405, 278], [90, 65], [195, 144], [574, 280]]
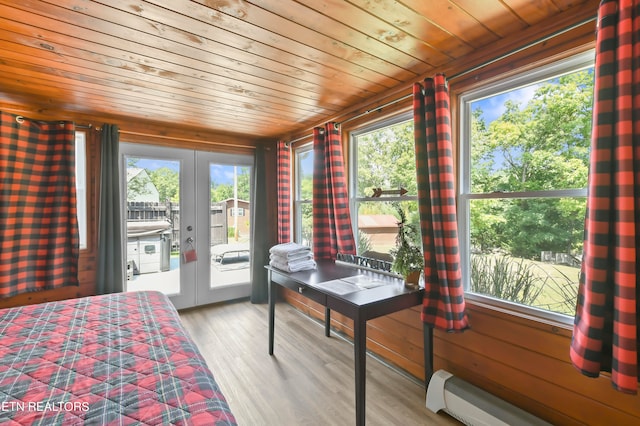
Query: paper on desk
[[364, 281], [338, 286], [350, 284]]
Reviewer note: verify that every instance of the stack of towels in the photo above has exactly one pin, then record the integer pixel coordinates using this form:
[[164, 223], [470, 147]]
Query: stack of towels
[[291, 257]]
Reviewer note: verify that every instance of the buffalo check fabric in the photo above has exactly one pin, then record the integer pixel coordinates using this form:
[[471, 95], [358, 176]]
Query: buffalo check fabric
[[443, 305], [605, 333], [39, 238], [284, 192], [118, 359], [332, 232]]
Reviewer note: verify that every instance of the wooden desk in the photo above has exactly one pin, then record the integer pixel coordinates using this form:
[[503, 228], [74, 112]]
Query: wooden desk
[[359, 305]]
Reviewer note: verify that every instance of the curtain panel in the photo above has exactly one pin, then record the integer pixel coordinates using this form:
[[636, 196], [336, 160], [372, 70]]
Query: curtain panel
[[110, 275], [605, 333], [259, 226], [39, 235], [332, 231], [284, 192], [443, 305]]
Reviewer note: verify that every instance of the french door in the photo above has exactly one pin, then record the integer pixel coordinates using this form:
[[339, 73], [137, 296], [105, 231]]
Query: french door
[[186, 218]]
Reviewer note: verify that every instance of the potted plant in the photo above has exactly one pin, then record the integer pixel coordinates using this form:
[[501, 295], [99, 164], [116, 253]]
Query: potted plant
[[408, 259]]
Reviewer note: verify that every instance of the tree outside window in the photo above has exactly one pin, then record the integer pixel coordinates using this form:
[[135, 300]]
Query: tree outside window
[[524, 178], [383, 180], [303, 196]]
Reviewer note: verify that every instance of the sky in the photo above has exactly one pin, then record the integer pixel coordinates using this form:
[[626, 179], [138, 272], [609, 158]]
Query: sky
[[493, 107], [219, 173]]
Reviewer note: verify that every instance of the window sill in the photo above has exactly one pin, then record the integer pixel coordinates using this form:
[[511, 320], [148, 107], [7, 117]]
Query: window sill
[[546, 319]]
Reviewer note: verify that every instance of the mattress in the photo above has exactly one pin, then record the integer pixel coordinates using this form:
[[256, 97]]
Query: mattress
[[117, 359]]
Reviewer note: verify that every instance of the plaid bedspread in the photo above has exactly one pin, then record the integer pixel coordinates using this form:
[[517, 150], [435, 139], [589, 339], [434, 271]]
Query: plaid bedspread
[[119, 359]]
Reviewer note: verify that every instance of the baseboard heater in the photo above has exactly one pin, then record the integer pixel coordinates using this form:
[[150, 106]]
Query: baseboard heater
[[472, 405]]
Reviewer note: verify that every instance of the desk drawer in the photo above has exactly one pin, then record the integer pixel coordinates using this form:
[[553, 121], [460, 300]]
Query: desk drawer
[[305, 290]]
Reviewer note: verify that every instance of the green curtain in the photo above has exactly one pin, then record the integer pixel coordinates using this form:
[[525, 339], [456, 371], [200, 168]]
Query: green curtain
[[110, 276], [259, 234]]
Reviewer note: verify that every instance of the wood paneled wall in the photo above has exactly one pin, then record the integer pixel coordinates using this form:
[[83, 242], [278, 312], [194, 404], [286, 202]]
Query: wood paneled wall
[[136, 132], [527, 363], [522, 360]]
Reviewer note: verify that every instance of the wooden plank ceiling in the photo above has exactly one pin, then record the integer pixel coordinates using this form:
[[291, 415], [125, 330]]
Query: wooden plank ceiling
[[259, 68]]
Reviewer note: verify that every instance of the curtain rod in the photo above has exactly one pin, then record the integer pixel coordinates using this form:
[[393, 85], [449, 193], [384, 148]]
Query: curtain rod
[[90, 126], [468, 71]]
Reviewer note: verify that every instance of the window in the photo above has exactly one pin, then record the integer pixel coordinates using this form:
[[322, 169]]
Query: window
[[524, 166], [303, 195], [383, 179], [81, 187]]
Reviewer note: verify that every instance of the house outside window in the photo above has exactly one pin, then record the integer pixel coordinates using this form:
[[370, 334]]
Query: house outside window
[[303, 195], [383, 180], [238, 212], [523, 179]]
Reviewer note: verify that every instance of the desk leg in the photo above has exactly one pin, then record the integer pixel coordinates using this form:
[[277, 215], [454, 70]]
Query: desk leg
[[327, 321], [360, 355], [272, 311]]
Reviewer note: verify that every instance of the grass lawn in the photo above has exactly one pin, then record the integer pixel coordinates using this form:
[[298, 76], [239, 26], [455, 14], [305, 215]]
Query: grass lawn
[[558, 283]]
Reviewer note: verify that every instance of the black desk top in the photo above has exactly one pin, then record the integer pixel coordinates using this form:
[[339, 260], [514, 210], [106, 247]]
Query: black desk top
[[332, 285], [329, 270]]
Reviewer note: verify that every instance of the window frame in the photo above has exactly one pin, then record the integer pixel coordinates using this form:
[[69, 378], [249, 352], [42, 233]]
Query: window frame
[[354, 199], [298, 201], [542, 73], [81, 188]]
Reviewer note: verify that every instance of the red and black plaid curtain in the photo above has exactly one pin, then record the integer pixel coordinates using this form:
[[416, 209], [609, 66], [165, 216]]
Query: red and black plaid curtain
[[332, 232], [284, 192], [605, 333], [39, 241], [443, 304]]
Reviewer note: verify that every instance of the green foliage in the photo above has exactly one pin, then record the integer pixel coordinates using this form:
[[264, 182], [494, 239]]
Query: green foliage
[[386, 159], [167, 182], [364, 242], [224, 191], [306, 175], [221, 192], [505, 278], [407, 255], [307, 223], [538, 146], [531, 283], [542, 145]]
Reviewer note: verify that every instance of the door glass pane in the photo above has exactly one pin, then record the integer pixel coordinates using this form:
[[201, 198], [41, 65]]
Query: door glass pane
[[229, 227], [153, 219]]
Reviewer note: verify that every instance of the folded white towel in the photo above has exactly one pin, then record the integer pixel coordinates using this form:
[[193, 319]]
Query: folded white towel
[[289, 249], [299, 266], [306, 255]]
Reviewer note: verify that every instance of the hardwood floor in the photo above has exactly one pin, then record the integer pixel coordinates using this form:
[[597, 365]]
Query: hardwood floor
[[310, 378]]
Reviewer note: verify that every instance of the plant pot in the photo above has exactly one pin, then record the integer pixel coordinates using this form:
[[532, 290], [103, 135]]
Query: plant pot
[[412, 279]]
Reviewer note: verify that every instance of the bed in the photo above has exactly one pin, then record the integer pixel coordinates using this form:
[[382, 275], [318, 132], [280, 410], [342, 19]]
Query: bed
[[116, 359]]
